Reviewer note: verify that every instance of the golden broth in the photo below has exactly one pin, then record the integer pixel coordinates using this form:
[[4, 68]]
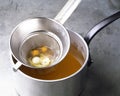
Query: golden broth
[[65, 68]]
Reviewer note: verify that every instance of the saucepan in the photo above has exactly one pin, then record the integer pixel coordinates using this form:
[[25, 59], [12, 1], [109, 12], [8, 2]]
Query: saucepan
[[71, 85]]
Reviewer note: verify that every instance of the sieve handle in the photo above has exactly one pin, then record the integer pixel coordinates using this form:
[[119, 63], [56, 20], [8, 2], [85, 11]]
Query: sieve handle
[[67, 10], [17, 66]]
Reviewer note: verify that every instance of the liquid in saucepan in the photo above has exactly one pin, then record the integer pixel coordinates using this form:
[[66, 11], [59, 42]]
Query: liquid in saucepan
[[65, 68]]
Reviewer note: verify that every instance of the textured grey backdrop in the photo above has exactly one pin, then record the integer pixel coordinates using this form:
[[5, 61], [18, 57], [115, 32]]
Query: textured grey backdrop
[[104, 74]]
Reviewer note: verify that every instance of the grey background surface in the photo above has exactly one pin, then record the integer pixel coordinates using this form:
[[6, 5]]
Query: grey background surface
[[104, 74]]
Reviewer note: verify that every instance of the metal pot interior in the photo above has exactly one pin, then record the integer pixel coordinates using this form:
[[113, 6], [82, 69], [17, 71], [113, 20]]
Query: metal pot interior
[[78, 49]]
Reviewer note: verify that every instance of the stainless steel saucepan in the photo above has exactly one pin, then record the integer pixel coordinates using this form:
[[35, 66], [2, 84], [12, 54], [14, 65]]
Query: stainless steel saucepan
[[72, 85]]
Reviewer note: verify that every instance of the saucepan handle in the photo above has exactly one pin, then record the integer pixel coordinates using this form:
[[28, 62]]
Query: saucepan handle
[[100, 26], [97, 29]]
